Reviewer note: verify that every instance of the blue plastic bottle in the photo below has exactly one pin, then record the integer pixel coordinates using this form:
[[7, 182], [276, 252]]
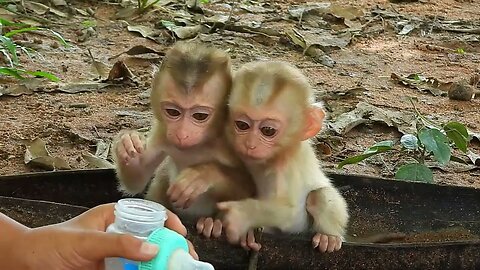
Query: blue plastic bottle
[[145, 219]]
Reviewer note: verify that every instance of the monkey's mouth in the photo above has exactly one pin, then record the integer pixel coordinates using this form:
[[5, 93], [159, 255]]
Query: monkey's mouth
[[252, 156], [183, 147]]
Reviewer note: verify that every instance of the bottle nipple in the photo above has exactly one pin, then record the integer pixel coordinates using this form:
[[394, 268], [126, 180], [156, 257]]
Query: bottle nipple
[[181, 260]]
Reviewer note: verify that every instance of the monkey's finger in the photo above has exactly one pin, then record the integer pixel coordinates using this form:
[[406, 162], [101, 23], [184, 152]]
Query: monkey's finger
[[207, 231], [243, 243], [338, 246], [323, 243], [251, 241], [217, 228], [197, 191], [200, 225], [129, 148], [185, 196], [332, 242], [137, 143], [316, 240], [254, 246], [122, 153], [224, 205], [175, 190]]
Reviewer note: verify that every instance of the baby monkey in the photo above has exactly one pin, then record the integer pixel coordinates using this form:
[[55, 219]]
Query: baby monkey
[[186, 150], [272, 118]]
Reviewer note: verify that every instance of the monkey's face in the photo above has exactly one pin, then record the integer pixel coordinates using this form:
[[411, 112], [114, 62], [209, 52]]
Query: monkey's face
[[186, 126], [257, 132]]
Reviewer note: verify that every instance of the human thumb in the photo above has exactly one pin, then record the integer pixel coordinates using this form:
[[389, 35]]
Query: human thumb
[[99, 245]]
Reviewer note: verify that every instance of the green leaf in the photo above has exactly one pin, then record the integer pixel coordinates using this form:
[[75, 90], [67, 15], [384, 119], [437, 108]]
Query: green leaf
[[5, 22], [44, 74], [18, 31], [88, 23], [10, 46], [204, 1], [415, 77], [375, 149], [434, 141], [59, 37], [11, 72], [415, 172], [458, 133], [460, 51]]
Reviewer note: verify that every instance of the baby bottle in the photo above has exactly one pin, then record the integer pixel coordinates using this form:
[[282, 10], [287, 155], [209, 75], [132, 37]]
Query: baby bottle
[[145, 219]]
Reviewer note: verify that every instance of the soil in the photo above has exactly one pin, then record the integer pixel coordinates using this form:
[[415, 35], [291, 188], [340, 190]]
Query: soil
[[71, 124]]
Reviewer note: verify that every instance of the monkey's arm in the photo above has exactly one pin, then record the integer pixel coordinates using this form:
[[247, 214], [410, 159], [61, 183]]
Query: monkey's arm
[[329, 211], [223, 183], [134, 165], [231, 183], [240, 216]]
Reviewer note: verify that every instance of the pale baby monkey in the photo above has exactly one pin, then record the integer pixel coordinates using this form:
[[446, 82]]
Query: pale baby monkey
[[271, 121]]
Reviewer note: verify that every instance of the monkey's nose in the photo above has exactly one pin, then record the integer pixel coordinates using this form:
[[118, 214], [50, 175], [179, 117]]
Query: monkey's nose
[[181, 137], [251, 147]]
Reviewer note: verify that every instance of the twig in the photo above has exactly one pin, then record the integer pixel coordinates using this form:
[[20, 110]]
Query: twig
[[253, 261], [467, 31], [234, 5], [421, 115]]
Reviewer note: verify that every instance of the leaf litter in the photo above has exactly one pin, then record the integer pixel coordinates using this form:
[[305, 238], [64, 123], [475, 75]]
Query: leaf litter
[[319, 31]]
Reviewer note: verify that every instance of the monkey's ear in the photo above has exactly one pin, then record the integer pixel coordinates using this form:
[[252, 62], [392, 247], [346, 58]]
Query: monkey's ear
[[314, 121]]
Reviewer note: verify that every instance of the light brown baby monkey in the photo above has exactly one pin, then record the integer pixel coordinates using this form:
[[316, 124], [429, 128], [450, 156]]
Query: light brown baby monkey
[[272, 118], [186, 150]]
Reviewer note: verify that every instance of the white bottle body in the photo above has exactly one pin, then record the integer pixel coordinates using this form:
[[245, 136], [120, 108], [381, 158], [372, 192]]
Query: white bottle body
[[136, 217]]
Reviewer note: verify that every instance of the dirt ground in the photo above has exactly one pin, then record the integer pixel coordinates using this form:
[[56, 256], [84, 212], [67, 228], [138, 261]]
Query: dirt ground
[[70, 124]]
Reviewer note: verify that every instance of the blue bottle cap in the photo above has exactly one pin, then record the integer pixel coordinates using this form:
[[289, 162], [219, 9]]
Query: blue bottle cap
[[168, 242]]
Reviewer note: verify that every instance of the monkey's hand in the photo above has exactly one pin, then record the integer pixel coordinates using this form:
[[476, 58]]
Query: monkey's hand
[[235, 220], [326, 243], [190, 183], [208, 227], [247, 241], [128, 150]]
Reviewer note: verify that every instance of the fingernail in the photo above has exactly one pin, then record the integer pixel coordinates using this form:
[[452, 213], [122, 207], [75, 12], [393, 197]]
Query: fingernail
[[149, 249]]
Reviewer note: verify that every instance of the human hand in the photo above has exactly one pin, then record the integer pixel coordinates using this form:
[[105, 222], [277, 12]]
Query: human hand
[[82, 243]]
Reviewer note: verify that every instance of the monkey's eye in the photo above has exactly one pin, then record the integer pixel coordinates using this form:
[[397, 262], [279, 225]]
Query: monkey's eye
[[242, 125], [200, 116], [268, 131], [172, 112]]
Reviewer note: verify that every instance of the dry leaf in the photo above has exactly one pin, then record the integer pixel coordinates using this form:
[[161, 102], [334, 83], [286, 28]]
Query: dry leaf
[[103, 149], [364, 112], [137, 50], [187, 32], [419, 82], [36, 154], [120, 71], [475, 158], [82, 87], [145, 31], [42, 9], [59, 2], [97, 162]]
